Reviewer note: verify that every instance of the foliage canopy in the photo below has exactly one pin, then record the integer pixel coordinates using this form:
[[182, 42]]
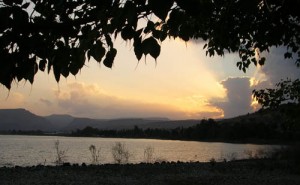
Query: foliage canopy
[[61, 35]]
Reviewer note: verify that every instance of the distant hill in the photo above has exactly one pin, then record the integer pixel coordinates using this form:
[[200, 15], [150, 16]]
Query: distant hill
[[21, 119], [267, 116], [59, 121]]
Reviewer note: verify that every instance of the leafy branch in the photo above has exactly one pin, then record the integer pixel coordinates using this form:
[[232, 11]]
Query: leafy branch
[[60, 36]]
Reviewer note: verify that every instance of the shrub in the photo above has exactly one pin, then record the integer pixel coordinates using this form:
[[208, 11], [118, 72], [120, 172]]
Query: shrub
[[149, 154], [120, 153], [249, 154], [60, 154], [232, 156], [95, 154], [212, 162]]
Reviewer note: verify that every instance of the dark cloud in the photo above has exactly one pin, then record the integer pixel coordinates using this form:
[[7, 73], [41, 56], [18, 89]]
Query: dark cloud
[[238, 94], [238, 90], [277, 68]]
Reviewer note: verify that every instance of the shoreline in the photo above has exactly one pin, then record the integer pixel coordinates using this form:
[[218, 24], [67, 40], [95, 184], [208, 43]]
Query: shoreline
[[251, 171], [247, 141]]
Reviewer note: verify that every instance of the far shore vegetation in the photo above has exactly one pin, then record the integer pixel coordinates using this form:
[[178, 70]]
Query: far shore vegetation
[[262, 127]]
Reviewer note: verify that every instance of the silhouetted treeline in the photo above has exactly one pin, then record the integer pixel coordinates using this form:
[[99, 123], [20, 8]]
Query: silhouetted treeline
[[22, 132], [204, 131]]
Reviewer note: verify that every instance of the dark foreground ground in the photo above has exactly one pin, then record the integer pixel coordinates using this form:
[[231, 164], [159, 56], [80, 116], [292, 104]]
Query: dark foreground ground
[[248, 172]]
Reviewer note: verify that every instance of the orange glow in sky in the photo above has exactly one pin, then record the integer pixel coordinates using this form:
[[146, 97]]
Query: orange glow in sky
[[183, 84]]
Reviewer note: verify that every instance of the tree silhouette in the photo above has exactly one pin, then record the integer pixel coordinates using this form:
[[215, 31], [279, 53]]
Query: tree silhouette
[[286, 91], [60, 36]]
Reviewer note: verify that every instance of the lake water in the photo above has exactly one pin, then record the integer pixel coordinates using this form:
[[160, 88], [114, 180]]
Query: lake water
[[34, 150]]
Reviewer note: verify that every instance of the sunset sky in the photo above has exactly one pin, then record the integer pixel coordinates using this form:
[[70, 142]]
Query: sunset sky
[[182, 84]]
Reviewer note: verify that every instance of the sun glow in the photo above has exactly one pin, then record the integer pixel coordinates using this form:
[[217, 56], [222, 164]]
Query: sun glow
[[179, 85]]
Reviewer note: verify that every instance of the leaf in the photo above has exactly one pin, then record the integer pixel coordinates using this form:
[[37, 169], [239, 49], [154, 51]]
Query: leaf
[[42, 65], [28, 69], [110, 56], [97, 51], [73, 69], [33, 71], [161, 8], [5, 17], [61, 60], [150, 46], [18, 1], [254, 61], [56, 72], [244, 69], [244, 58], [156, 34], [8, 2], [262, 61], [185, 32], [49, 66], [155, 51], [131, 13], [108, 41], [239, 65], [139, 2], [25, 5], [288, 55], [60, 44], [77, 60], [149, 27], [86, 29], [6, 81], [5, 77], [65, 72], [138, 50], [20, 16], [163, 36], [127, 33]]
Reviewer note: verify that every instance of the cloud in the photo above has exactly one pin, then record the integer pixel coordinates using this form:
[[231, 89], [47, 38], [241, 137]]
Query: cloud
[[197, 106], [275, 69], [46, 102], [238, 94], [81, 99], [88, 100], [238, 89], [12, 100]]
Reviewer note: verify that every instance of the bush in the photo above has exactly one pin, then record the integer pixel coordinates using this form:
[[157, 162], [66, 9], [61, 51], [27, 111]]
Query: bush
[[95, 154], [60, 154], [149, 154], [120, 153]]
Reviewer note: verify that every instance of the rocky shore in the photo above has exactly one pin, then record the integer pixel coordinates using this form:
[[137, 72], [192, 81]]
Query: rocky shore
[[246, 172]]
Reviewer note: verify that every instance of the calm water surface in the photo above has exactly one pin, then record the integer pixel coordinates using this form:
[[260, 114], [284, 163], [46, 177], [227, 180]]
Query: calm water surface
[[34, 150]]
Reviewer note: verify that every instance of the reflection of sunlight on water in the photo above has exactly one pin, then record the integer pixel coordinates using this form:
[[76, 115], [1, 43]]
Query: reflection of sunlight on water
[[34, 150]]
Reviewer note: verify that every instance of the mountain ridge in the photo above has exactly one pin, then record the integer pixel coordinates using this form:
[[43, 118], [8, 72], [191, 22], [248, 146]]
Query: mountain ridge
[[13, 119]]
